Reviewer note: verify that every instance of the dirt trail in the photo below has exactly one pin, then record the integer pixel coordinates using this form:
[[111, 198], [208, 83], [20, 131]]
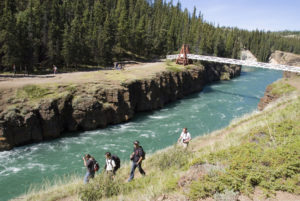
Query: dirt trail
[[295, 82], [10, 82]]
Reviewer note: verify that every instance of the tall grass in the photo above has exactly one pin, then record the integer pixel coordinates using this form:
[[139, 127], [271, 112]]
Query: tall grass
[[59, 188]]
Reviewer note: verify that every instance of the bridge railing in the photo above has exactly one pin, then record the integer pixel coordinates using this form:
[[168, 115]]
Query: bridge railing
[[239, 62]]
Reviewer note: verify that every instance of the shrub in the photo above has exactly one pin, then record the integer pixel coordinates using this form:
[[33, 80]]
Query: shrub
[[175, 157], [99, 187], [226, 196]]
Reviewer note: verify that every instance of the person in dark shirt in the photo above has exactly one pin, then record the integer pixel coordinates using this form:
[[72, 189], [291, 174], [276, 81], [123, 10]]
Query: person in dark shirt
[[137, 158], [89, 164]]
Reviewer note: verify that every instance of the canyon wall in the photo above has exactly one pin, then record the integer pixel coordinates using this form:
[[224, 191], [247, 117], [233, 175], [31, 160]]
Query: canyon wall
[[99, 106]]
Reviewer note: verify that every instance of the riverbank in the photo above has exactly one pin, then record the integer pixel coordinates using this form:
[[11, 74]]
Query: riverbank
[[290, 81], [34, 110], [255, 157]]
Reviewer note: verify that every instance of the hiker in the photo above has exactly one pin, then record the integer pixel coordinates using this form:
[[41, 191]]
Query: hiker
[[54, 69], [14, 69], [112, 164], [185, 138], [89, 162], [26, 71], [137, 157]]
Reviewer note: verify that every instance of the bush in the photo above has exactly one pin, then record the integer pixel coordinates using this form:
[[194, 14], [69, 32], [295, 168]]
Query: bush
[[175, 157], [226, 196], [99, 187]]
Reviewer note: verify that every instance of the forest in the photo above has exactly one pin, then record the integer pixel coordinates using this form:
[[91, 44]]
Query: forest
[[70, 33]]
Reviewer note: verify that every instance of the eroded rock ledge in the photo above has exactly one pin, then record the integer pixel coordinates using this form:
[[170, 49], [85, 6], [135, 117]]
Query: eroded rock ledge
[[100, 107]]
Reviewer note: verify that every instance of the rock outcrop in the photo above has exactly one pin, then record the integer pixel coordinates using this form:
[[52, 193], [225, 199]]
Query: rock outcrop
[[247, 55], [99, 107], [285, 58], [267, 98], [279, 57]]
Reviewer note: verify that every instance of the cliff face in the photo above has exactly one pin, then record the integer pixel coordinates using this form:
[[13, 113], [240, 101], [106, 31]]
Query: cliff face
[[99, 107], [247, 55], [286, 58]]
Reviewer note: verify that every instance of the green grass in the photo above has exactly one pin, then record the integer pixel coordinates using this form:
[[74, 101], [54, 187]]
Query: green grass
[[280, 88], [173, 67], [33, 92], [61, 187]]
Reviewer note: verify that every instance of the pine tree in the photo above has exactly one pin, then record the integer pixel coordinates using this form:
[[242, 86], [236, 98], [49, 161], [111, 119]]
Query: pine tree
[[8, 34], [122, 31], [106, 42], [55, 33]]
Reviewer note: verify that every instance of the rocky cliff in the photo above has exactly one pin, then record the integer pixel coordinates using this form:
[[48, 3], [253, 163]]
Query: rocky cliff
[[247, 55], [267, 98], [279, 57], [97, 106], [285, 58]]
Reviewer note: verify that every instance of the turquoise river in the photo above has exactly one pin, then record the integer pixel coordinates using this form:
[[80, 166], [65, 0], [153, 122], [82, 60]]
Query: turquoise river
[[204, 112]]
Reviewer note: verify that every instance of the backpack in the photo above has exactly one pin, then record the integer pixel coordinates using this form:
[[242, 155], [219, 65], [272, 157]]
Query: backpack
[[117, 161], [96, 166], [143, 153]]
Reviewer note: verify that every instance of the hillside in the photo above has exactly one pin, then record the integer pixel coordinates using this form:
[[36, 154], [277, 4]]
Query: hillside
[[255, 157]]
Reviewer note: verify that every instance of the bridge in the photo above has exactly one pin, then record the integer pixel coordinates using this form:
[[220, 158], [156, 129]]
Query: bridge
[[281, 67]]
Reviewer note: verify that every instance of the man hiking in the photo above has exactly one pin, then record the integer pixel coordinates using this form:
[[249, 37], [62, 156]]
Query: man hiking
[[54, 69], [185, 138], [88, 162], [137, 157]]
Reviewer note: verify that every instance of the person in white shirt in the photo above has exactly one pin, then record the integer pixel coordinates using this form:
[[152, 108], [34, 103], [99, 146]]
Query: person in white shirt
[[184, 138], [110, 163]]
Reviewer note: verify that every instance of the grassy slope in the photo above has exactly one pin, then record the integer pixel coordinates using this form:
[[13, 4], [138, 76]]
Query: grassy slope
[[281, 87], [261, 149]]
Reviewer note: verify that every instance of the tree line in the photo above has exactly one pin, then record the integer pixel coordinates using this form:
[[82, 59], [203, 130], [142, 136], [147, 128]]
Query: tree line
[[36, 33]]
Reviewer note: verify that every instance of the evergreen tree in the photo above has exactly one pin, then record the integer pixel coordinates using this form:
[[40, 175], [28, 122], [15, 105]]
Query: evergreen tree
[[8, 34], [122, 31]]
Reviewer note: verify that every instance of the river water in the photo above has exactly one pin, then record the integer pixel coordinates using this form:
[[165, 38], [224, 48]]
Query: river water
[[201, 113]]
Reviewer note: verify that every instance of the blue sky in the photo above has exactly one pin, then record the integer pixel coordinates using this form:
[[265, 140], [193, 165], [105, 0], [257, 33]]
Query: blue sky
[[273, 15]]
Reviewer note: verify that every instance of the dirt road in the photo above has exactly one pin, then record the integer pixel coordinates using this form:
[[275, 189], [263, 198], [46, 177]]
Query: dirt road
[[131, 71]]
